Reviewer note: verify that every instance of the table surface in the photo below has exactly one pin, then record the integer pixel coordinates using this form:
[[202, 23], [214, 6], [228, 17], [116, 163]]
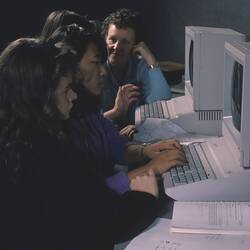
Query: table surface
[[166, 211]]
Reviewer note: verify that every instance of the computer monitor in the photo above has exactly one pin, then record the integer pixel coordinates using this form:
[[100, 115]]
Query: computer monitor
[[237, 76], [204, 60]]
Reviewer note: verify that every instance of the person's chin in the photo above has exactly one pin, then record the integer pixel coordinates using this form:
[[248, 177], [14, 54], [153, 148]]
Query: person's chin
[[115, 57]]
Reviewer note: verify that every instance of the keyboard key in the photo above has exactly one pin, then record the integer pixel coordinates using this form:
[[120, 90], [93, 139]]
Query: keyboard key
[[151, 111], [160, 109], [190, 173], [146, 111], [155, 110]]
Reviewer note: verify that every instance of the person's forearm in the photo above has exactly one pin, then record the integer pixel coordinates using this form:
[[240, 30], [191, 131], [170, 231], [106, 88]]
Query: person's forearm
[[134, 154], [150, 59], [112, 114], [138, 172]]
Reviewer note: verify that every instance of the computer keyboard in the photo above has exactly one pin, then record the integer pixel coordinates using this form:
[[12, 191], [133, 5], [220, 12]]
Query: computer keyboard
[[192, 172], [153, 110]]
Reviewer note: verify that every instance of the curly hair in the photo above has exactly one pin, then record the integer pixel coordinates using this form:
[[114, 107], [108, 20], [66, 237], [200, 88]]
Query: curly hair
[[29, 74], [123, 18]]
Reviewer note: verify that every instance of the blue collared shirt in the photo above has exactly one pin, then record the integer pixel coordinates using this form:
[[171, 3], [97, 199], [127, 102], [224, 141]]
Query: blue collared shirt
[[152, 83]]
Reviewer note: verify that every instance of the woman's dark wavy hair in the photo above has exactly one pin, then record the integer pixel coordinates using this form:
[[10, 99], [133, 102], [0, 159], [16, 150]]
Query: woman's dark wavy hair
[[78, 39], [29, 74], [124, 18], [60, 18]]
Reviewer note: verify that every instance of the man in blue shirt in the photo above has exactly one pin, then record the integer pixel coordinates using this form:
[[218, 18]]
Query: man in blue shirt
[[133, 74]]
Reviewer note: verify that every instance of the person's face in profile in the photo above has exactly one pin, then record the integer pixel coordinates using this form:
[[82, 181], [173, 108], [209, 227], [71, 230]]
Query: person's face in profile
[[120, 44], [91, 70], [64, 95]]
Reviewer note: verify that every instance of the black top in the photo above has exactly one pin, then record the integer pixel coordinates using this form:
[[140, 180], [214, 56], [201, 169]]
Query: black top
[[56, 203]]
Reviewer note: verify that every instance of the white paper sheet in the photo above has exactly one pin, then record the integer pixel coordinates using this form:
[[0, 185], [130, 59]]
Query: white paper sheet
[[158, 237], [202, 217], [153, 129]]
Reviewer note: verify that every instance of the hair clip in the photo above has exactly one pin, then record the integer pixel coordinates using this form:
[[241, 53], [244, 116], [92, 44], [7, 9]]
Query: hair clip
[[65, 49]]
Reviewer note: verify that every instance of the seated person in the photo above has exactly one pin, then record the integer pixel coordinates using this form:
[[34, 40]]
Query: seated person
[[49, 198], [133, 74], [96, 135]]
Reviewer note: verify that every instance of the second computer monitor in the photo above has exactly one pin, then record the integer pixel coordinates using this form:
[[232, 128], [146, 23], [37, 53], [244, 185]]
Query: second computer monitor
[[237, 77], [204, 66]]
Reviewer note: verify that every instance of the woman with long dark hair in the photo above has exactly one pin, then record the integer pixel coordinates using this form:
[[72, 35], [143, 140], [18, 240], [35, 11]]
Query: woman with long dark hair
[[49, 198]]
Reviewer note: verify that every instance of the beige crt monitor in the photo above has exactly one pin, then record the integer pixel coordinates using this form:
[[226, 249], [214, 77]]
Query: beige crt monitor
[[228, 157], [201, 109]]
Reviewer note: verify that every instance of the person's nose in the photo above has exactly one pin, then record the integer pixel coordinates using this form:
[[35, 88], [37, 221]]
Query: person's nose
[[117, 45], [103, 71]]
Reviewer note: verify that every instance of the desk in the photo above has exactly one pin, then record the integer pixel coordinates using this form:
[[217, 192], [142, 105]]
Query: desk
[[167, 204], [172, 71]]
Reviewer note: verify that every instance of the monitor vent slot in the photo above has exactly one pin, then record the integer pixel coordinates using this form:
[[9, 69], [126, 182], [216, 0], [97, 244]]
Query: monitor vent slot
[[210, 115]]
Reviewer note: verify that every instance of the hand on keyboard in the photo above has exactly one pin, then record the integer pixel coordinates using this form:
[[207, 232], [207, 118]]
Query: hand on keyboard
[[167, 159], [153, 150], [146, 183]]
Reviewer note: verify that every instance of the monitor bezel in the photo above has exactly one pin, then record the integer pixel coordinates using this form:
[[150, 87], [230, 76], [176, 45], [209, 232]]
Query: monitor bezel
[[240, 52]]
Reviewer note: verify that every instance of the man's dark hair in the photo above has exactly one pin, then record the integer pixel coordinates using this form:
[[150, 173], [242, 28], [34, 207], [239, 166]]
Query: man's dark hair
[[123, 18]]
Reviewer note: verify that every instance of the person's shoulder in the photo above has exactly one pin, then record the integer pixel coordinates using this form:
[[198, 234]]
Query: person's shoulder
[[96, 114]]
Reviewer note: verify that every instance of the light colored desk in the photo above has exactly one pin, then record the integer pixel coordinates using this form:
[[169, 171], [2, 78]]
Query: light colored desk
[[172, 71], [167, 204]]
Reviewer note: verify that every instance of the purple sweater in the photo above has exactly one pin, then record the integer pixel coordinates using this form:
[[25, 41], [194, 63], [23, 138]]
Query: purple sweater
[[105, 145]]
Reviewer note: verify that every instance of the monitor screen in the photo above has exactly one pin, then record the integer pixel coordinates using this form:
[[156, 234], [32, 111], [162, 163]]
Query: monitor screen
[[236, 99], [191, 62]]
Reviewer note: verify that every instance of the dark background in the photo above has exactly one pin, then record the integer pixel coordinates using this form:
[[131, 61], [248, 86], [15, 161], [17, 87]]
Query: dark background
[[164, 20]]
